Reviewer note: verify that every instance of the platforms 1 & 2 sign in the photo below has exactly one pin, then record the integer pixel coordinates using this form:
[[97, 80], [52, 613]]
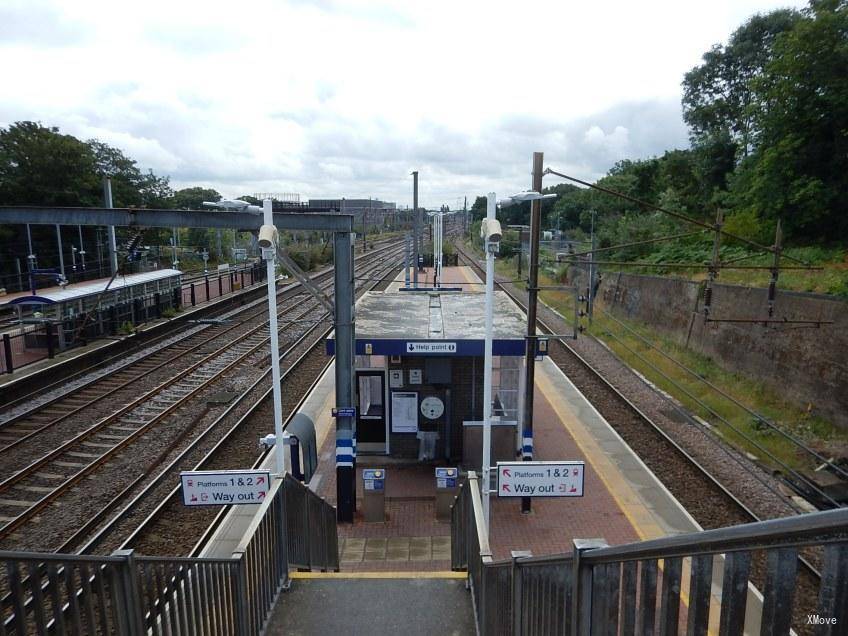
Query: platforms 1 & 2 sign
[[224, 487], [540, 479]]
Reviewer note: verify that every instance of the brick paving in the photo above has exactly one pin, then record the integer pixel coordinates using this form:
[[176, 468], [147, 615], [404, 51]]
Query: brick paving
[[549, 529], [553, 523]]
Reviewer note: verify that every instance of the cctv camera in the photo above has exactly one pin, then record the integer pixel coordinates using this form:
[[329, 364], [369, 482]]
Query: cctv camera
[[490, 230], [267, 236]]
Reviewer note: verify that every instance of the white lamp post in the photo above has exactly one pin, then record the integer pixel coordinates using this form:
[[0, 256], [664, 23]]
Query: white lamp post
[[268, 243], [490, 231]]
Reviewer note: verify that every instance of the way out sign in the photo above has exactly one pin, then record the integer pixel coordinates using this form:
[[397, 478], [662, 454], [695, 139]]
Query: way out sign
[[540, 479], [224, 487]]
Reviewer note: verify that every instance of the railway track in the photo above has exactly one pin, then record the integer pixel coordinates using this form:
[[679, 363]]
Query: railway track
[[26, 493], [155, 521], [133, 355], [707, 499], [120, 383]]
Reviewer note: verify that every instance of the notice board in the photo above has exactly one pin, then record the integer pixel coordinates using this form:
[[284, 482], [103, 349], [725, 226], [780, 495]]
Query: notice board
[[404, 412]]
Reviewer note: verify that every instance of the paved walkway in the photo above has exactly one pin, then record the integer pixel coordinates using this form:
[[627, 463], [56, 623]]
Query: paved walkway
[[374, 606]]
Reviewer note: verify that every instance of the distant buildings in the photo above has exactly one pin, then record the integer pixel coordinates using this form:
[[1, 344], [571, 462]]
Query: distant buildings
[[372, 212]]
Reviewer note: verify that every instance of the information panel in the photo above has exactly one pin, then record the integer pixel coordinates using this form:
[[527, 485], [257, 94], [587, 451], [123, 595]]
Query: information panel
[[224, 487], [404, 412], [540, 479]]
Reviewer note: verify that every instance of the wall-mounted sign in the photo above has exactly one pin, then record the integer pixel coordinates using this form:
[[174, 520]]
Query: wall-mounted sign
[[540, 479], [396, 378], [432, 407], [224, 487], [404, 412], [343, 411], [431, 347], [415, 376], [446, 477]]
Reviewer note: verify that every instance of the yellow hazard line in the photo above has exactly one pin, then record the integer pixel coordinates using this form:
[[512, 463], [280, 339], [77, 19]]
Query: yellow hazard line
[[442, 574]]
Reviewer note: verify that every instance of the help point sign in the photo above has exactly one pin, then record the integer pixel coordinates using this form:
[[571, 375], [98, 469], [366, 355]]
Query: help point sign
[[540, 479], [224, 487]]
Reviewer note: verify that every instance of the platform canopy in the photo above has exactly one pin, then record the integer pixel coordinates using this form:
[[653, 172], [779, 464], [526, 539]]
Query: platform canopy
[[55, 295], [434, 324]]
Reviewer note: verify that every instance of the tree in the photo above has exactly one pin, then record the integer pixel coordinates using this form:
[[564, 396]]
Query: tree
[[800, 172], [193, 198], [40, 166], [130, 187], [717, 95]]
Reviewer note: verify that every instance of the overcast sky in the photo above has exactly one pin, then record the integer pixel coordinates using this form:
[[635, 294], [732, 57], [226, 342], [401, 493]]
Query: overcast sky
[[346, 98]]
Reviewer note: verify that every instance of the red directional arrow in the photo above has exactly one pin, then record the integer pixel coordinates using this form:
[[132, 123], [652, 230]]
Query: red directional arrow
[[260, 480], [506, 472], [262, 495], [506, 488]]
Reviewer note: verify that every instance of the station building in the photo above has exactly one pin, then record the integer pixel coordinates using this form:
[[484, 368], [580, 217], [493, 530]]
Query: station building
[[419, 376]]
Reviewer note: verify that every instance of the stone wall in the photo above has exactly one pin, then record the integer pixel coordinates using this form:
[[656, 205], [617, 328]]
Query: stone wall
[[809, 365]]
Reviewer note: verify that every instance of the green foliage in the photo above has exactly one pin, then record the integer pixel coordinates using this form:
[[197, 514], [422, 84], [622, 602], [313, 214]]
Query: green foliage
[[169, 312], [40, 166], [126, 328], [748, 225]]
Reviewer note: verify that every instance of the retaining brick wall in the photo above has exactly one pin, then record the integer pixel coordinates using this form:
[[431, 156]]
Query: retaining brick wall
[[808, 365]]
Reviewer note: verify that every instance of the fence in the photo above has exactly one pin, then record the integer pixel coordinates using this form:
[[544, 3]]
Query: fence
[[208, 288], [643, 587], [125, 594], [310, 529], [36, 342]]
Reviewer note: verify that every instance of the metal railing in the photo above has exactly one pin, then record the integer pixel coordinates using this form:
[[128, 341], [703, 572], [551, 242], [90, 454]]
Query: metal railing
[[662, 586], [125, 594], [311, 531]]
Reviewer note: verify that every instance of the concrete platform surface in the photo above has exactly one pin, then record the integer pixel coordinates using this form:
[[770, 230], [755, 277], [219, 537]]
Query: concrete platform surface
[[408, 606]]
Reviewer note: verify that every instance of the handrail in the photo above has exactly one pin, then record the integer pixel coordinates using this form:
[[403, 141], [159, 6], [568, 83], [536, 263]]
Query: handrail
[[599, 588], [774, 533], [479, 524], [259, 517]]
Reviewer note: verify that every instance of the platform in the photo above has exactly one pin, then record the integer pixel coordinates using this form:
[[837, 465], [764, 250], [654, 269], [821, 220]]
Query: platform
[[624, 501], [105, 345]]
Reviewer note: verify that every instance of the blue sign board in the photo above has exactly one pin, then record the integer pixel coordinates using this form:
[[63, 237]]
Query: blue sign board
[[446, 477], [374, 478], [345, 411], [397, 347]]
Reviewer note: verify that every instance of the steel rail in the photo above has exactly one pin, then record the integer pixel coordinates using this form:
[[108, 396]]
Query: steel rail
[[33, 467], [178, 325], [106, 529], [222, 513], [99, 537], [48, 498], [213, 334]]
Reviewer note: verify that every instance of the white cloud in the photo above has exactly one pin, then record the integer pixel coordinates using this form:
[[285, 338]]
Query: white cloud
[[335, 97]]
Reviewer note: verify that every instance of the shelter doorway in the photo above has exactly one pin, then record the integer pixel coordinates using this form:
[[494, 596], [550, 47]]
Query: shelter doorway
[[371, 421]]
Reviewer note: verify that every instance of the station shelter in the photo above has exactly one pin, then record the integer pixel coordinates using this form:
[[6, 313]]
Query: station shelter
[[50, 317], [419, 376]]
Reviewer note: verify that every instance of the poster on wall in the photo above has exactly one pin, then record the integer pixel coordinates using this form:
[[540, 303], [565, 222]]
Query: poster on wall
[[396, 378], [404, 412]]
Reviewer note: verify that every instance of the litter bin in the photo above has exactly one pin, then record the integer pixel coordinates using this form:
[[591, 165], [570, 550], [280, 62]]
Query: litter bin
[[447, 486], [427, 445], [374, 494]]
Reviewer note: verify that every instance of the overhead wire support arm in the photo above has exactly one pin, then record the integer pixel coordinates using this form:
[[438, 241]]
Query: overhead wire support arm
[[677, 215], [304, 279], [659, 239]]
